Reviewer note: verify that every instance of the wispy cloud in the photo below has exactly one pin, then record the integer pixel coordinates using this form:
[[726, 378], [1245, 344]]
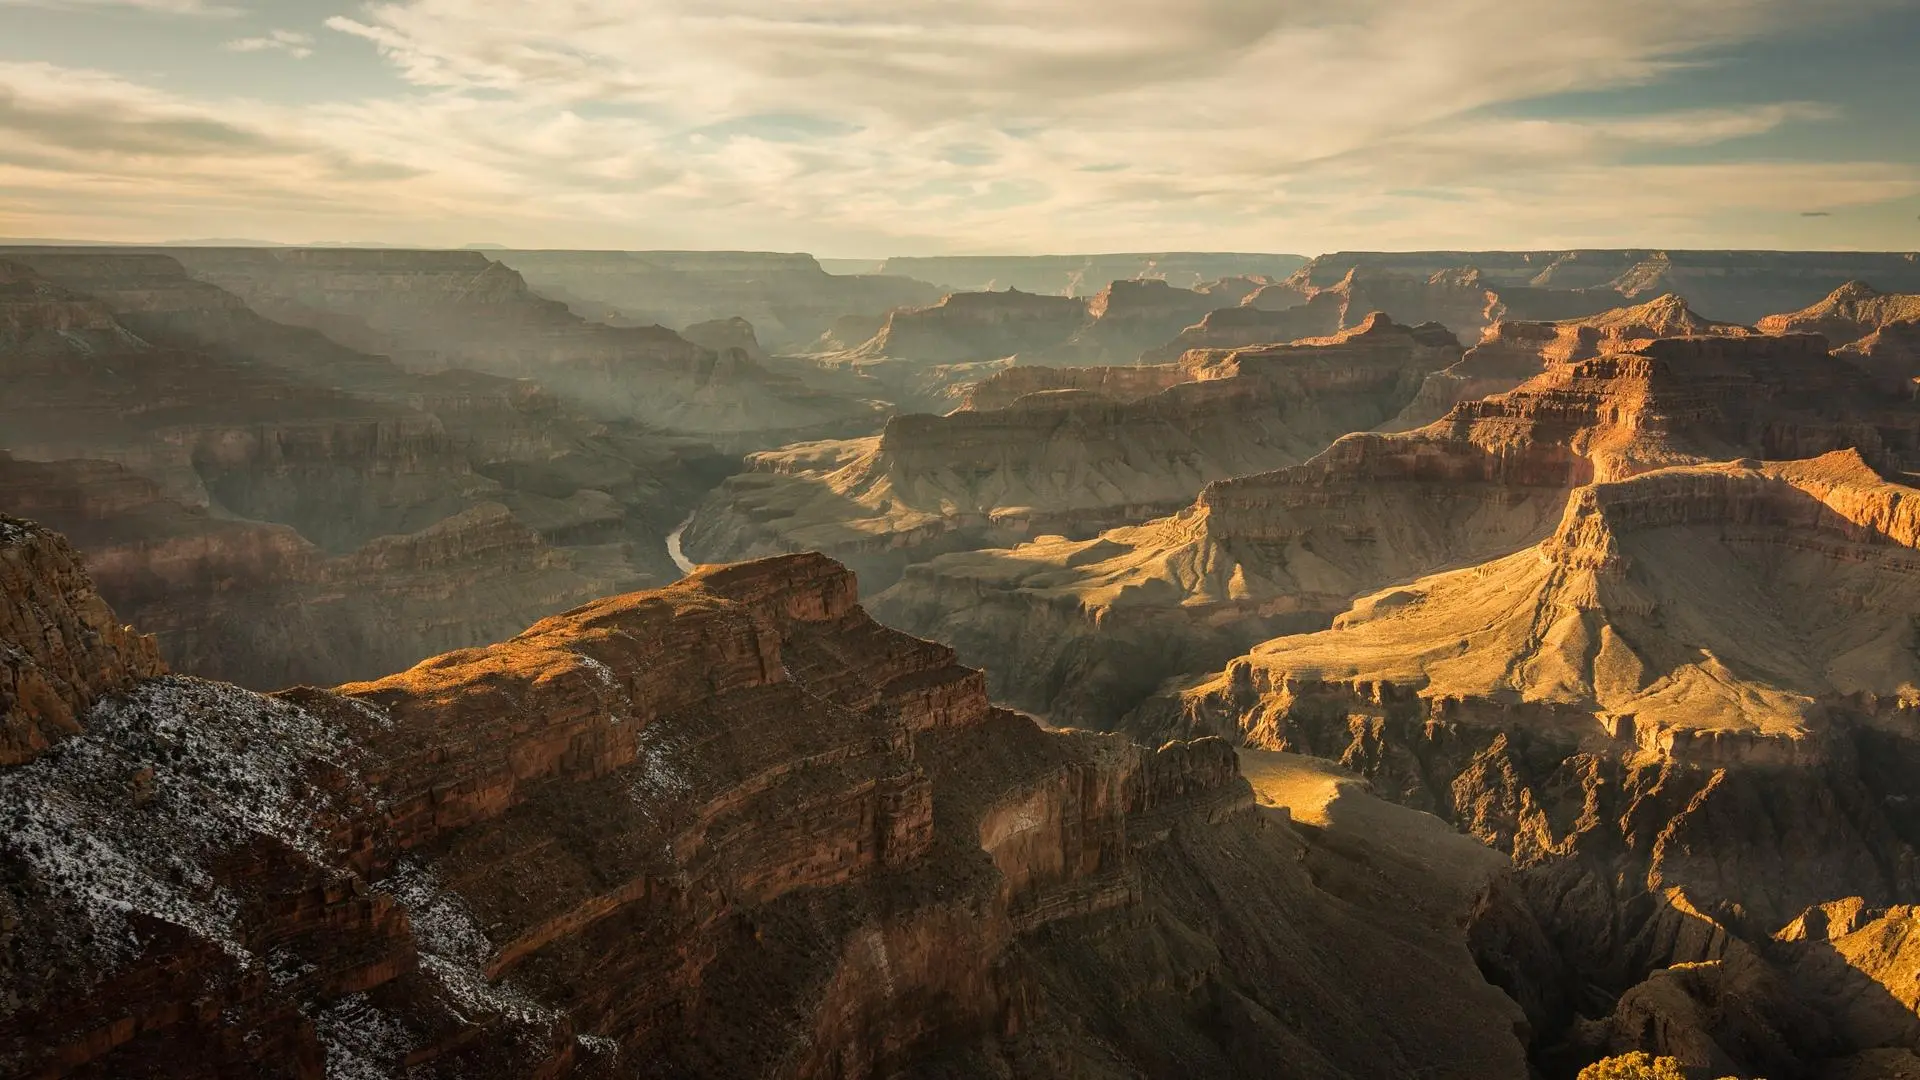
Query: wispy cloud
[[165, 7], [295, 44], [999, 124]]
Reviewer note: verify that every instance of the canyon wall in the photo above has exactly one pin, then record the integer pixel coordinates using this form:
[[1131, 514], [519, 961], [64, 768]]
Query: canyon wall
[[1064, 461], [730, 828]]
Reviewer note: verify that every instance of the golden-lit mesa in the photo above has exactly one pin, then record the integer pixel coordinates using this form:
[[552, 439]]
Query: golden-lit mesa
[[1455, 664]]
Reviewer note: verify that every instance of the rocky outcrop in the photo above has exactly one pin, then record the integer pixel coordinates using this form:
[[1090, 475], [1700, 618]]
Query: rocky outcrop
[[1087, 275], [1848, 314], [788, 297], [977, 326], [1128, 318], [1878, 331], [723, 334], [731, 828], [1510, 352], [1095, 624], [1612, 706], [1064, 461], [61, 649]]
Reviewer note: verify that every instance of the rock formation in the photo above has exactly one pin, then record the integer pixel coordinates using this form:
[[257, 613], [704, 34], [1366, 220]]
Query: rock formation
[[1688, 714], [730, 828], [61, 648], [1511, 352], [789, 299], [1063, 461], [977, 326], [721, 335], [1083, 629], [1878, 331]]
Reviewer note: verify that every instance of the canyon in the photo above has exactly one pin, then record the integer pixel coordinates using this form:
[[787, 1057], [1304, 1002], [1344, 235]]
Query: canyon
[[732, 827], [1449, 663], [1067, 459]]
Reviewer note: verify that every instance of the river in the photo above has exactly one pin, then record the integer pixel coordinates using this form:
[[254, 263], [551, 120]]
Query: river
[[674, 551]]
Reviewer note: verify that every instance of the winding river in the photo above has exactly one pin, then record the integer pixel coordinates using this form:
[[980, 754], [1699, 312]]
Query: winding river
[[674, 550]]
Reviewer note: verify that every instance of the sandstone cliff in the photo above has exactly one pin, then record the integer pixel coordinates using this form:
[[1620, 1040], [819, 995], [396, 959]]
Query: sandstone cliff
[[1614, 706], [61, 649], [1094, 624], [1063, 461], [731, 828], [1511, 352]]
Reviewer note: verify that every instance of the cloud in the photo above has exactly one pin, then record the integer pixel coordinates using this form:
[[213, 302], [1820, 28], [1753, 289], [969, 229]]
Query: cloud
[[927, 125], [1815, 213], [297, 45], [164, 7]]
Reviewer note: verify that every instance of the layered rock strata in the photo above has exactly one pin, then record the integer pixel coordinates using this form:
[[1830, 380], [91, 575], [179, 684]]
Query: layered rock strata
[[1688, 714], [1083, 629], [1068, 461], [731, 828], [1511, 352]]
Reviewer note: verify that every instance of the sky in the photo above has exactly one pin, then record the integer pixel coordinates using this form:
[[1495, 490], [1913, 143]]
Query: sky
[[867, 128]]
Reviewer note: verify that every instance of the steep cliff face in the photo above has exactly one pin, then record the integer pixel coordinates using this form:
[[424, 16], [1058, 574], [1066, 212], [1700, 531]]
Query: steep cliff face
[[1063, 461], [1511, 352], [788, 298], [61, 649], [1615, 706], [732, 828], [1096, 623], [436, 310]]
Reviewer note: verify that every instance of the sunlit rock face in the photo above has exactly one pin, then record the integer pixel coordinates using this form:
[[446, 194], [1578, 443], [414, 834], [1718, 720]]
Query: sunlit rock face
[[729, 828], [1096, 622]]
